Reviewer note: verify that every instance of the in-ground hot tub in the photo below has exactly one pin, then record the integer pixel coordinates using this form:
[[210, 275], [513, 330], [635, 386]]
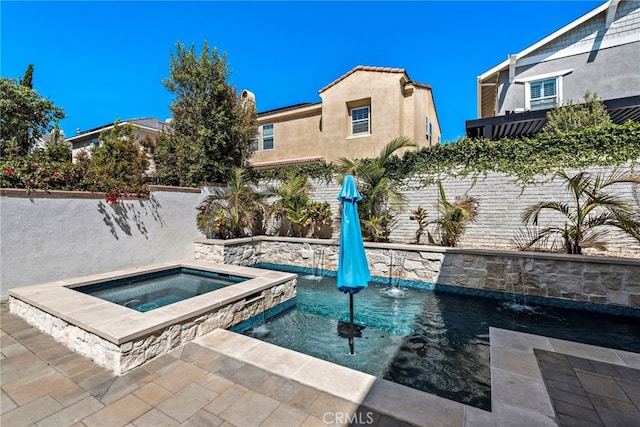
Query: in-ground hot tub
[[121, 337], [149, 291]]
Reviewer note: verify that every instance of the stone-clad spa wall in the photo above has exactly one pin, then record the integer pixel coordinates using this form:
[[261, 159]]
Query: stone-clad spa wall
[[598, 280], [122, 357]]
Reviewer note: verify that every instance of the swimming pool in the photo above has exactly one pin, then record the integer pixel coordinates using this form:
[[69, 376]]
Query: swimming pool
[[430, 340], [154, 290]]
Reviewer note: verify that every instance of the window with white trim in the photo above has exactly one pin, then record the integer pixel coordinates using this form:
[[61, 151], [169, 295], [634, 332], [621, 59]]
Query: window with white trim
[[360, 120], [254, 144], [543, 94], [267, 137], [543, 91]]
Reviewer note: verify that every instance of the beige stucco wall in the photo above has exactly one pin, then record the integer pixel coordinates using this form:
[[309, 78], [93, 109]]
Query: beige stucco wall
[[418, 107], [295, 136], [397, 108]]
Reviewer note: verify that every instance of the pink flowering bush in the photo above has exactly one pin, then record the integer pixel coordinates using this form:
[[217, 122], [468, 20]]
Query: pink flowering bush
[[36, 172]]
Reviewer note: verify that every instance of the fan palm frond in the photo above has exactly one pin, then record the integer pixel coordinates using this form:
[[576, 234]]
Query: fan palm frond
[[381, 197], [590, 208]]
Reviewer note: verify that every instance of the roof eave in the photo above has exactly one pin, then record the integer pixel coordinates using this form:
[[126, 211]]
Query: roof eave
[[505, 64], [286, 112], [365, 68], [107, 127]]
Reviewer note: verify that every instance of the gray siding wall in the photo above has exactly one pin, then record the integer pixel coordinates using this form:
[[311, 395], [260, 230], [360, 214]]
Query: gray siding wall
[[625, 24], [611, 72]]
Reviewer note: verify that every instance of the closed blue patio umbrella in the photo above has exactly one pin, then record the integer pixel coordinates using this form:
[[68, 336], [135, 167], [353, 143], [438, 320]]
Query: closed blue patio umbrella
[[353, 268]]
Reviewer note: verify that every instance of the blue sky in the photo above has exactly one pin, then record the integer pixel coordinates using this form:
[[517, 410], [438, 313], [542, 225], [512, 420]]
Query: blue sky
[[101, 61]]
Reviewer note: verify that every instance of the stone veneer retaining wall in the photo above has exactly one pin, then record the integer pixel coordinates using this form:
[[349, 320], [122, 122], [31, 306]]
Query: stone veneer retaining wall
[[598, 280], [125, 356]]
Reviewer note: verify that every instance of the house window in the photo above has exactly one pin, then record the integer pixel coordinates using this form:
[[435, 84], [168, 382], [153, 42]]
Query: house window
[[543, 91], [254, 144], [543, 94], [267, 137], [359, 120]]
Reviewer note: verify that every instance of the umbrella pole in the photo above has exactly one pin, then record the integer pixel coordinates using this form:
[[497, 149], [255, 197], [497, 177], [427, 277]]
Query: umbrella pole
[[351, 323]]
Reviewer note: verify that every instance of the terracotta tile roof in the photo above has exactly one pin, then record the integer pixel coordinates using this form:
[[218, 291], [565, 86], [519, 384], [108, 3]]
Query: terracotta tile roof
[[344, 76], [418, 84], [379, 69], [287, 108]]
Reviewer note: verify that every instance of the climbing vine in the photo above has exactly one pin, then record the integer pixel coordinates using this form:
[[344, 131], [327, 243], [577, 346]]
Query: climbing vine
[[324, 171], [523, 159]]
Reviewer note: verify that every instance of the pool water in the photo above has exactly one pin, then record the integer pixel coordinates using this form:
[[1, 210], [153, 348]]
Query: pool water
[[433, 341], [153, 290]]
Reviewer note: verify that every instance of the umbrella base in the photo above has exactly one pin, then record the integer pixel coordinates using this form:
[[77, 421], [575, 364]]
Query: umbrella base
[[344, 330]]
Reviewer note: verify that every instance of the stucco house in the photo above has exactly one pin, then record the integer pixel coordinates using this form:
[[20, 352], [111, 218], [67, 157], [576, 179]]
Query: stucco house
[[599, 52], [141, 127], [359, 113]]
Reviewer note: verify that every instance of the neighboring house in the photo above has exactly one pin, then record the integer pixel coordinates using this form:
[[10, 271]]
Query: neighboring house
[[359, 114], [90, 138], [48, 138], [598, 52]]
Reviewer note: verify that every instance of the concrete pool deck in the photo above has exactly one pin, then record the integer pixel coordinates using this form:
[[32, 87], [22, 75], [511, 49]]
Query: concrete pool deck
[[228, 379]]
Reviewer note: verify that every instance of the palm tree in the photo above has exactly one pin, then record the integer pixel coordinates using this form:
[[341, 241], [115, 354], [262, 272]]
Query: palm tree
[[455, 217], [381, 197], [233, 211], [589, 210], [291, 203]]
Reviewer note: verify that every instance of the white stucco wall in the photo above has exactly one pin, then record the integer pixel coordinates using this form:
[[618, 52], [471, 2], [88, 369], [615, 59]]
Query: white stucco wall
[[47, 239]]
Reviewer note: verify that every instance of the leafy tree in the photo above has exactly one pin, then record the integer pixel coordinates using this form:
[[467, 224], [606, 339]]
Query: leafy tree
[[119, 155], [212, 127], [232, 211], [574, 117], [590, 210], [27, 79], [381, 196], [24, 116], [57, 150], [165, 160]]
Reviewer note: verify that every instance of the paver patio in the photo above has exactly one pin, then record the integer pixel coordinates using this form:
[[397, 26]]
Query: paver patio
[[225, 379]]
